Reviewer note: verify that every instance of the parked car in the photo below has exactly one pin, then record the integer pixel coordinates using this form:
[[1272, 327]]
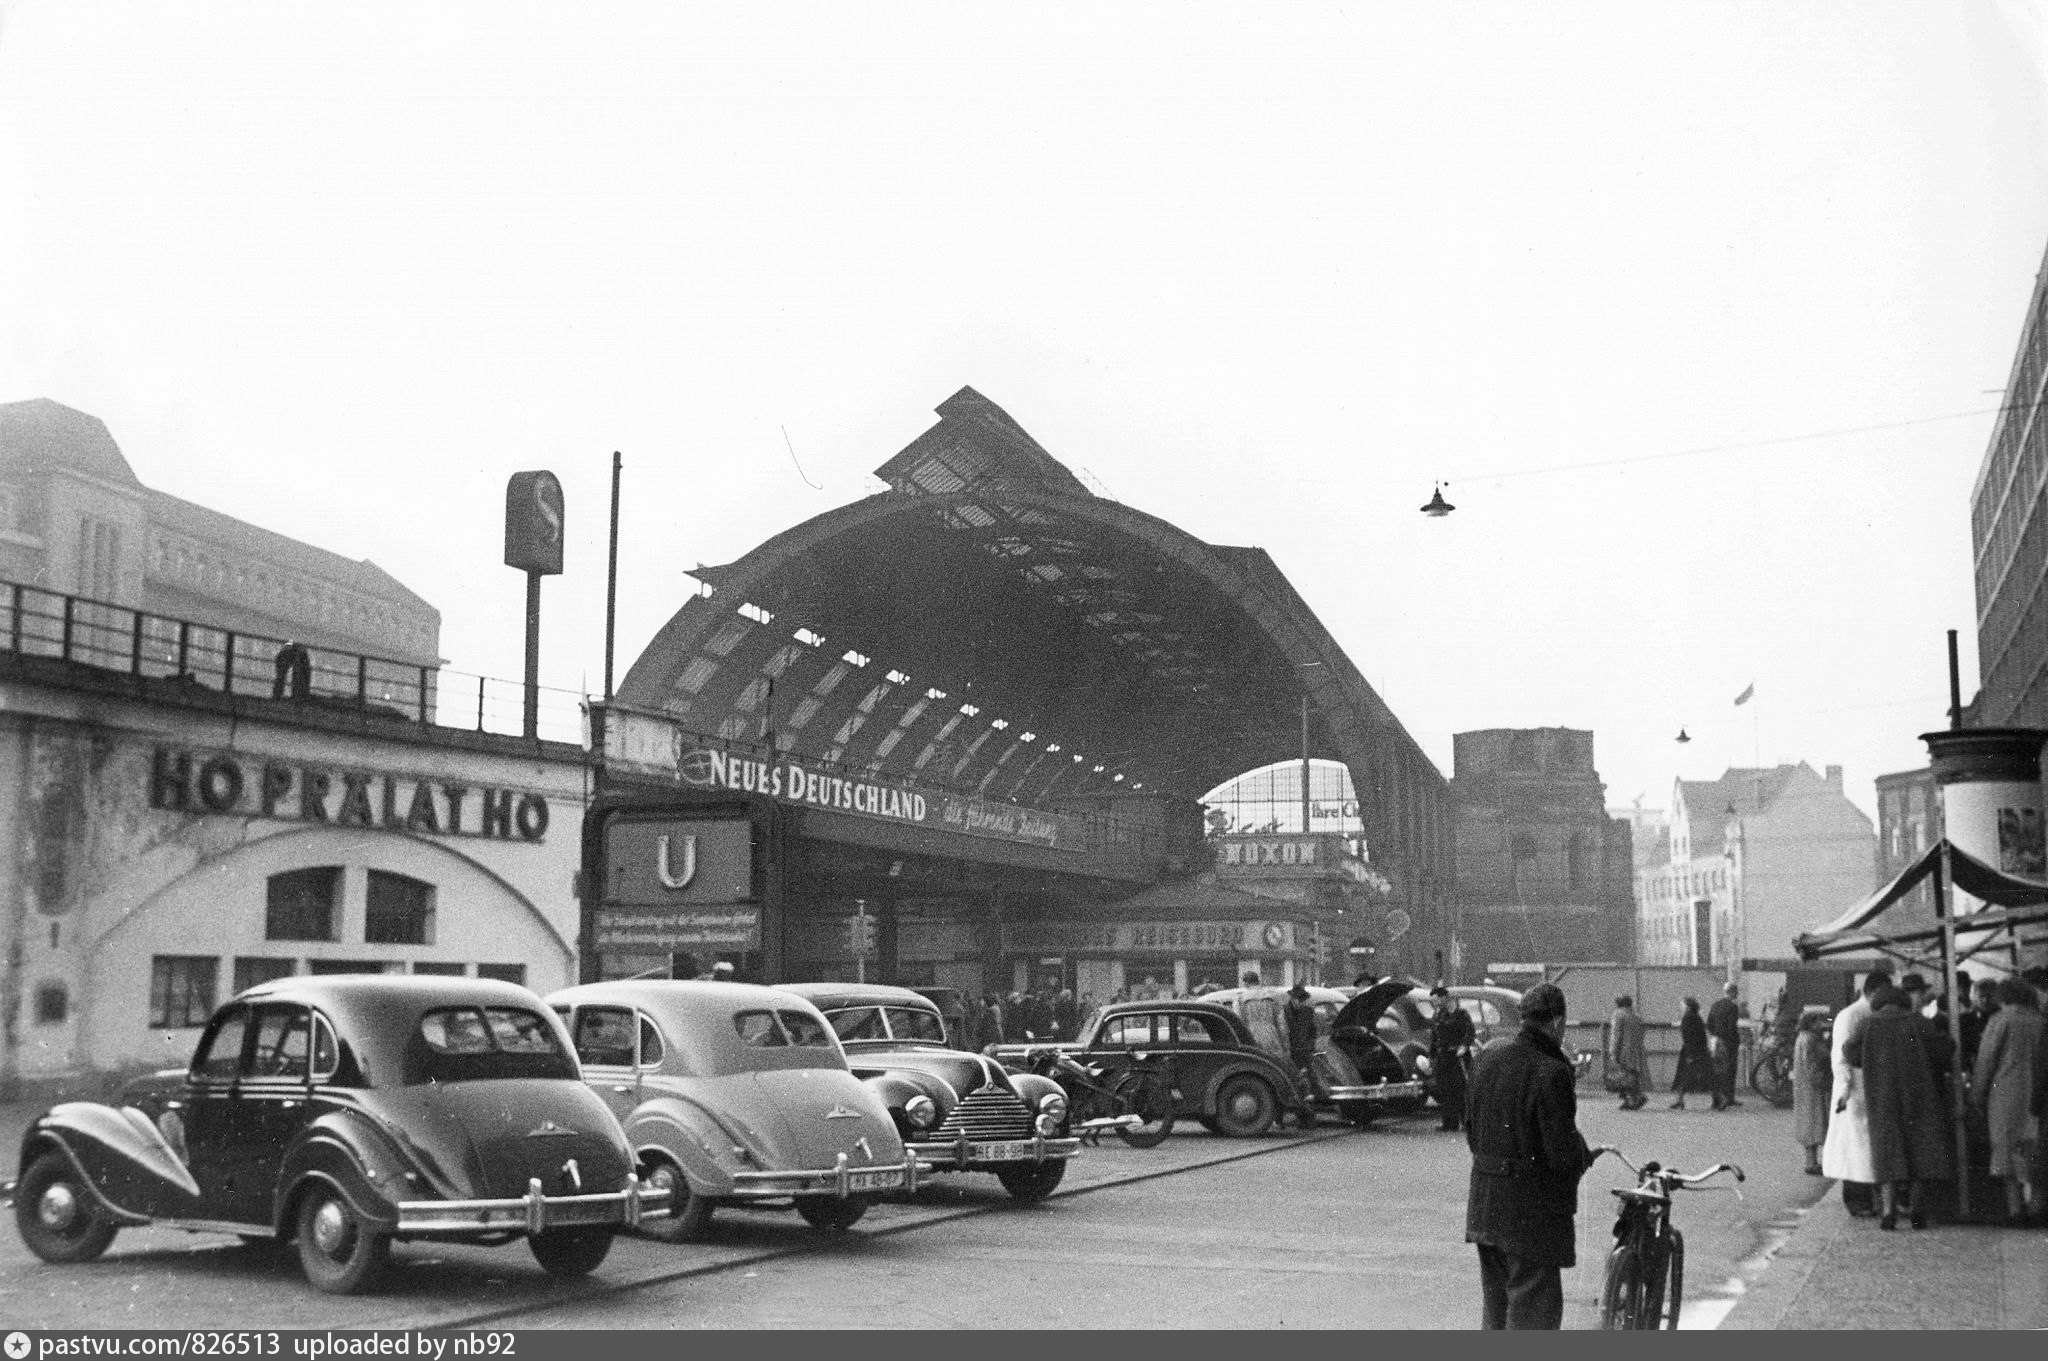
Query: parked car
[[1359, 1075], [959, 1111], [347, 1113], [733, 1094], [1496, 1014], [952, 1005], [1220, 1076]]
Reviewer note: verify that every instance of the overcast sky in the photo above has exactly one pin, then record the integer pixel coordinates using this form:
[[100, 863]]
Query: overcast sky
[[1266, 271]]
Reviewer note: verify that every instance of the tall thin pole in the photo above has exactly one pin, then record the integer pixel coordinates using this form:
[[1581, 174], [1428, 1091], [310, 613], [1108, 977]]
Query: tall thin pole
[[533, 654], [611, 584], [1945, 903], [1955, 685], [1304, 765]]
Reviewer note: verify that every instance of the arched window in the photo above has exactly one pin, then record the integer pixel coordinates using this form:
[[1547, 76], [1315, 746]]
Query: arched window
[[400, 910]]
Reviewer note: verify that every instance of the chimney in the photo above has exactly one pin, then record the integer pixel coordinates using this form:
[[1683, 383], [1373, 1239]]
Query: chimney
[[1835, 778]]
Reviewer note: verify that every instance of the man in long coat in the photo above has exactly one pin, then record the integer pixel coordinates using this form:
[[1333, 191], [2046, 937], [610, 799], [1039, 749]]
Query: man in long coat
[[1724, 1031], [1527, 1159], [1626, 1054], [1451, 1039], [1846, 1154], [1905, 1065]]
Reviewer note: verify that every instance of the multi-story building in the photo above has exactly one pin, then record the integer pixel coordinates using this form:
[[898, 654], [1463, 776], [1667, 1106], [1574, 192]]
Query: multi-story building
[[1543, 871], [76, 521], [1750, 861], [2009, 539], [1908, 822]]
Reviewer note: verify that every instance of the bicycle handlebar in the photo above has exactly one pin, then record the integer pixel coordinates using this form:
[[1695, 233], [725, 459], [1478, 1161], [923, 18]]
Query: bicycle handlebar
[[1667, 1175]]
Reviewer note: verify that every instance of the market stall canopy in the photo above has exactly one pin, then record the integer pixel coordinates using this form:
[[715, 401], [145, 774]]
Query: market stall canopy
[[1891, 917]]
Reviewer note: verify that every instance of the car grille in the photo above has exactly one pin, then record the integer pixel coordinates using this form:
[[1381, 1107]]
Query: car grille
[[990, 1113]]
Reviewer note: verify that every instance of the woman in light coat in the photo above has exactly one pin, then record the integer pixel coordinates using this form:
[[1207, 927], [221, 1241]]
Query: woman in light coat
[[1812, 1083], [2002, 1086]]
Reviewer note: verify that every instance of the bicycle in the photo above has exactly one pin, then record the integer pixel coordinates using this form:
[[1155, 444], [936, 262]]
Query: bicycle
[[1770, 1075], [1645, 1283]]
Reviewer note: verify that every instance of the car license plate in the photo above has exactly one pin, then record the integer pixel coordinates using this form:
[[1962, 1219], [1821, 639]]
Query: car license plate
[[1021, 1148], [873, 1181]]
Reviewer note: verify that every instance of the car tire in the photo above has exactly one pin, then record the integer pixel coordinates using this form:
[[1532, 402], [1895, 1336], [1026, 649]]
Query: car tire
[[56, 1212], [338, 1252], [689, 1216], [835, 1213], [570, 1252], [1358, 1113], [1245, 1107], [1032, 1182]]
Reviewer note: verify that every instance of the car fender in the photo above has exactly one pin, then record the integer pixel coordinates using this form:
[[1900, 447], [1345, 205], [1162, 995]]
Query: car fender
[[1285, 1090], [691, 1135], [1032, 1089], [348, 1150], [126, 1161]]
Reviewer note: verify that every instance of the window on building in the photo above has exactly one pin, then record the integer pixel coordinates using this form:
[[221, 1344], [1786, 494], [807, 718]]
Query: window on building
[[253, 969], [301, 904], [504, 973], [337, 966], [440, 967], [53, 1003], [400, 910], [181, 990]]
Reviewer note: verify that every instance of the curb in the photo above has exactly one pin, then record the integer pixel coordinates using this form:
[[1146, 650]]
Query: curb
[[1764, 1305]]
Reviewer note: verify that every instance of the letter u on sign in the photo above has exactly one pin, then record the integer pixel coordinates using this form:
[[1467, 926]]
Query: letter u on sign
[[664, 869]]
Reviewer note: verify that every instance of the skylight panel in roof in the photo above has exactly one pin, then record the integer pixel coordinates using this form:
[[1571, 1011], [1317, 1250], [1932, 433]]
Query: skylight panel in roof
[[856, 658], [696, 675], [808, 638], [755, 612], [898, 678]]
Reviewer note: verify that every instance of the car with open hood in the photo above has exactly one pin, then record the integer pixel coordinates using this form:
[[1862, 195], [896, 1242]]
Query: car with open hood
[[957, 1110], [733, 1094], [1359, 1074], [347, 1113]]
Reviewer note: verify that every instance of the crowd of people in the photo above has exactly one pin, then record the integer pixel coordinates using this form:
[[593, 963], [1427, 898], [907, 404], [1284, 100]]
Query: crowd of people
[[1890, 1072]]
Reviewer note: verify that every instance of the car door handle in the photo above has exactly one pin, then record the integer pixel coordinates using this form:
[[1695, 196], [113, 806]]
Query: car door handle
[[290, 1104], [621, 1091]]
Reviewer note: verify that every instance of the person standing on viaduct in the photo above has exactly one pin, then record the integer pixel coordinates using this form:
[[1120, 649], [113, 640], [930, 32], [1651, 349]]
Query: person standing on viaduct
[[1527, 1159]]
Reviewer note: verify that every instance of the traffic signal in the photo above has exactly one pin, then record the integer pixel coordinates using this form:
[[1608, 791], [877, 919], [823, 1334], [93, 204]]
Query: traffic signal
[[860, 935]]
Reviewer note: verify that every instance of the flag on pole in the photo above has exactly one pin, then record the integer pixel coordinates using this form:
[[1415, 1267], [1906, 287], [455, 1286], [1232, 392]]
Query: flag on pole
[[1748, 691]]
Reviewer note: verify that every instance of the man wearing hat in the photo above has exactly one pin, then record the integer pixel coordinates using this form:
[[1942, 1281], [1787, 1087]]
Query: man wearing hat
[[1451, 1038], [1301, 1048], [1527, 1159]]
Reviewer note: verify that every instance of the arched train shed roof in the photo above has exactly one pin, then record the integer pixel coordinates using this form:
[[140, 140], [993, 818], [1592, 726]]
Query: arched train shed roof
[[989, 578]]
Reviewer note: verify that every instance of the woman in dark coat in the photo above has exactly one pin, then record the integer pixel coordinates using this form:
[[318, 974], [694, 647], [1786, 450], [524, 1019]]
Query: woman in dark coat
[[1905, 1063], [1695, 1069]]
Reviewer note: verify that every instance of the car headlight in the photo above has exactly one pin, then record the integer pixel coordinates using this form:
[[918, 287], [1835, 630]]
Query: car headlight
[[921, 1112], [1055, 1105], [1046, 1124], [1422, 1063]]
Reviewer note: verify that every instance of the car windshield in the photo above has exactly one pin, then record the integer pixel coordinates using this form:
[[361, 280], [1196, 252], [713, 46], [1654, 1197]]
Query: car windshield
[[780, 1030], [859, 1023], [468, 1044], [913, 1023]]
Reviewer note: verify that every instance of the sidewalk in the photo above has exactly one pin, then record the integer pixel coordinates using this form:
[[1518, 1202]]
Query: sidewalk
[[1837, 1272]]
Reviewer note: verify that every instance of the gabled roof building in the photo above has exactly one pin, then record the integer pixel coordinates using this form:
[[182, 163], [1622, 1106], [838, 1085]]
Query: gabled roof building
[[1752, 859]]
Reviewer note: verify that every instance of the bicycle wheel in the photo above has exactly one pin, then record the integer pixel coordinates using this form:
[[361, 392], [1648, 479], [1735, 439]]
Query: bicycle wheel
[[1771, 1077], [1649, 1314], [1677, 1277], [1146, 1095], [1621, 1291]]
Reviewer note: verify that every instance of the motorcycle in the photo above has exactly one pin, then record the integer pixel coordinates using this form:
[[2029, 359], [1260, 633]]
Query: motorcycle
[[1134, 1101]]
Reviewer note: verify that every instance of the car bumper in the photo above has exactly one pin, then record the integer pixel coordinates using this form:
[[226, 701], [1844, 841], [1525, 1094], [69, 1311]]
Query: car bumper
[[964, 1152], [1378, 1092], [533, 1212], [841, 1179]]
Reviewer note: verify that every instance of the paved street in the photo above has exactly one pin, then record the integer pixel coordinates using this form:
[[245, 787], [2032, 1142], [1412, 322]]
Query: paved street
[[1331, 1229]]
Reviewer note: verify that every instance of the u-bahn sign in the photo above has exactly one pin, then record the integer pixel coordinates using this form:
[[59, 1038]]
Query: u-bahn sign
[[677, 884], [654, 745]]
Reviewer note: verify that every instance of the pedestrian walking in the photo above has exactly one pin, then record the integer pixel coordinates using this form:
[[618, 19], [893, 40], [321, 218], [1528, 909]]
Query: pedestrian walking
[[1724, 1038], [1846, 1155], [1695, 1069], [1813, 1080], [991, 1021], [1904, 1063], [1527, 1160], [1627, 1060], [1451, 1038], [1065, 1014], [1300, 1015], [2002, 1086]]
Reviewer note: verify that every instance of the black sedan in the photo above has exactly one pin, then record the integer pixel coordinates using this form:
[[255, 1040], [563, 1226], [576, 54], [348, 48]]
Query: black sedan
[[346, 1113], [958, 1111]]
